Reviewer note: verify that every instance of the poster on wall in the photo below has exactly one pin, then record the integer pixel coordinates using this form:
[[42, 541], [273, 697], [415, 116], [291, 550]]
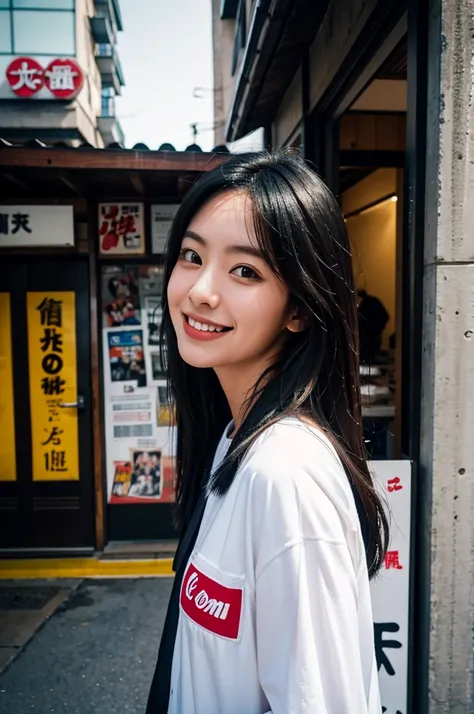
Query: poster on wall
[[162, 217], [120, 296], [139, 446], [127, 359], [53, 384], [140, 431], [121, 229], [390, 589]]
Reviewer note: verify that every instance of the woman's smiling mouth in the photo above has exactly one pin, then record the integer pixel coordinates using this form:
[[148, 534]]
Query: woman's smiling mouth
[[200, 330]]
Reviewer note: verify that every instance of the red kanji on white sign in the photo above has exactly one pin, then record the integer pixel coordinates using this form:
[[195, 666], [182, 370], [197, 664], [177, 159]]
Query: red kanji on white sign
[[392, 560], [25, 76]]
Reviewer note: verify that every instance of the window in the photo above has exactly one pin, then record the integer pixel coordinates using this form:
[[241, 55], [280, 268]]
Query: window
[[5, 32], [37, 27], [240, 35], [107, 104], [43, 4], [49, 33]]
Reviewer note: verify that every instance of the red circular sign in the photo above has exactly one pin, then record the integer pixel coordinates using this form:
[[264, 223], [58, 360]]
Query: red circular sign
[[25, 76], [63, 78]]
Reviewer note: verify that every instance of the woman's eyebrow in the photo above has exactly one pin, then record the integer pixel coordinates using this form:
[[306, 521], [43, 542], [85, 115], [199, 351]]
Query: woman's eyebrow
[[242, 249]]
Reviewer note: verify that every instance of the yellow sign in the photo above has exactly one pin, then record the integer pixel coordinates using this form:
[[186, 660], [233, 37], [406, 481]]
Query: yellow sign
[[7, 410], [53, 382]]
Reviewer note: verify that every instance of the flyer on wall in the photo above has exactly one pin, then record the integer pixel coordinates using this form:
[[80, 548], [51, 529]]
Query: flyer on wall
[[162, 216]]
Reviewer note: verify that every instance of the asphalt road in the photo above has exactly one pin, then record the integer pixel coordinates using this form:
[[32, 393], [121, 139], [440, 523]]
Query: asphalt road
[[96, 655]]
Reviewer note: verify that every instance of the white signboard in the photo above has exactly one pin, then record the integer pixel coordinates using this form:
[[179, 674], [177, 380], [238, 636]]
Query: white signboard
[[24, 226], [162, 217], [390, 589]]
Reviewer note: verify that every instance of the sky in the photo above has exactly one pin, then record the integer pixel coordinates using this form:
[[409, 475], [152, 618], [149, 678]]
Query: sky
[[166, 51]]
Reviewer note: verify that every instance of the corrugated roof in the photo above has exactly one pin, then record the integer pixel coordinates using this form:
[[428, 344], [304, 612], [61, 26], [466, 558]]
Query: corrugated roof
[[115, 146]]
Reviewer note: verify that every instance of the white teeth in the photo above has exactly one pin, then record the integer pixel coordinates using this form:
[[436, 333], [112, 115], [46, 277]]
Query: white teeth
[[203, 327]]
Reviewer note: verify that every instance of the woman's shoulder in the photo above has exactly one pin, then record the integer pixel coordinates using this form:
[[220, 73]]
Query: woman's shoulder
[[291, 447], [297, 485]]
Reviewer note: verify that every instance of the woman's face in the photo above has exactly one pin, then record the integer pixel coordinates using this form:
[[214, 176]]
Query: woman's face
[[227, 307]]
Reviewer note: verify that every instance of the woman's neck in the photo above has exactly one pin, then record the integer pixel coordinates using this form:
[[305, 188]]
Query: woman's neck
[[237, 385]]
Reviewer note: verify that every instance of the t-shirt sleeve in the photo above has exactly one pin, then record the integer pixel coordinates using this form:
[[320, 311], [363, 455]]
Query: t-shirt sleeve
[[308, 647]]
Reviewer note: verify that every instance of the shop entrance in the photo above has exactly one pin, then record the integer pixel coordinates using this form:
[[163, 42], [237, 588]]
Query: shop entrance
[[46, 465]]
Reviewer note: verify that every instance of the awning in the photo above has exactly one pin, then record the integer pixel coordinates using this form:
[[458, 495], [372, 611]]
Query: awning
[[280, 33]]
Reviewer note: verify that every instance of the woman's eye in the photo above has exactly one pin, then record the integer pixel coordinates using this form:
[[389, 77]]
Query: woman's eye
[[190, 256], [244, 271]]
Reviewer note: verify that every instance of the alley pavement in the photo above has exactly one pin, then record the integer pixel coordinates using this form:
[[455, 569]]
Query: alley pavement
[[95, 655]]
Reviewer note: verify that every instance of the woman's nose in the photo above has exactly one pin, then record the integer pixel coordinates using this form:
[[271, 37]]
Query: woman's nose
[[204, 291]]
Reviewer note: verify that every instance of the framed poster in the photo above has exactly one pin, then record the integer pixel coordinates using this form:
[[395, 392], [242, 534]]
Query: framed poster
[[162, 217], [121, 229]]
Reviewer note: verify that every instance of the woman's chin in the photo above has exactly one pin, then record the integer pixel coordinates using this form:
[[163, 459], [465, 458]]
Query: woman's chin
[[195, 357]]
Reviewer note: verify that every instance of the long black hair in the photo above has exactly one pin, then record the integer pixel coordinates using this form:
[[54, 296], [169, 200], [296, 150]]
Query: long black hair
[[301, 232]]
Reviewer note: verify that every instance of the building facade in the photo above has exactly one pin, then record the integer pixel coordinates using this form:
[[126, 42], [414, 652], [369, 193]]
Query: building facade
[[87, 446], [378, 95], [60, 71]]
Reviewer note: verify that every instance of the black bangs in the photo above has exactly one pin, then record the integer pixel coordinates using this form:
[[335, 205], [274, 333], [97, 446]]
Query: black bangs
[[300, 231]]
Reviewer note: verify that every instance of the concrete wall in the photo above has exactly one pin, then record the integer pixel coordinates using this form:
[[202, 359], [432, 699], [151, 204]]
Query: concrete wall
[[223, 32], [88, 101], [447, 405]]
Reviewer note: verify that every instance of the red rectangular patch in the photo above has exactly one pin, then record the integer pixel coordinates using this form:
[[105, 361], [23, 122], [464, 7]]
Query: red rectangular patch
[[211, 605]]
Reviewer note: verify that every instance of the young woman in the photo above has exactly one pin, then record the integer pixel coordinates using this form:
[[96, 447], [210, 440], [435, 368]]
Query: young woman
[[282, 528]]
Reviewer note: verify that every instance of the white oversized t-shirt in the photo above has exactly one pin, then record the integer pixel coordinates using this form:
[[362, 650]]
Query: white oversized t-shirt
[[275, 611]]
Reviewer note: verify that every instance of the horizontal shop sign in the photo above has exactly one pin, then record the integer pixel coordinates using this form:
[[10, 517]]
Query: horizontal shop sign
[[26, 226]]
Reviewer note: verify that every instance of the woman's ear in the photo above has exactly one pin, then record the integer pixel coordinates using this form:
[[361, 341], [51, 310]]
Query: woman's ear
[[299, 320]]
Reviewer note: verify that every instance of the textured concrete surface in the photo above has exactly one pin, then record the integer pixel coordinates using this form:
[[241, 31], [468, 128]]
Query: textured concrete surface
[[95, 655]]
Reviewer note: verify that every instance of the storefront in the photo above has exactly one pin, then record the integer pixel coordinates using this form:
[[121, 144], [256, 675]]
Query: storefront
[[86, 455]]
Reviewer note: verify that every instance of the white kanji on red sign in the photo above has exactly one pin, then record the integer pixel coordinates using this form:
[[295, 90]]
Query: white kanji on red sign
[[25, 76], [64, 78]]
